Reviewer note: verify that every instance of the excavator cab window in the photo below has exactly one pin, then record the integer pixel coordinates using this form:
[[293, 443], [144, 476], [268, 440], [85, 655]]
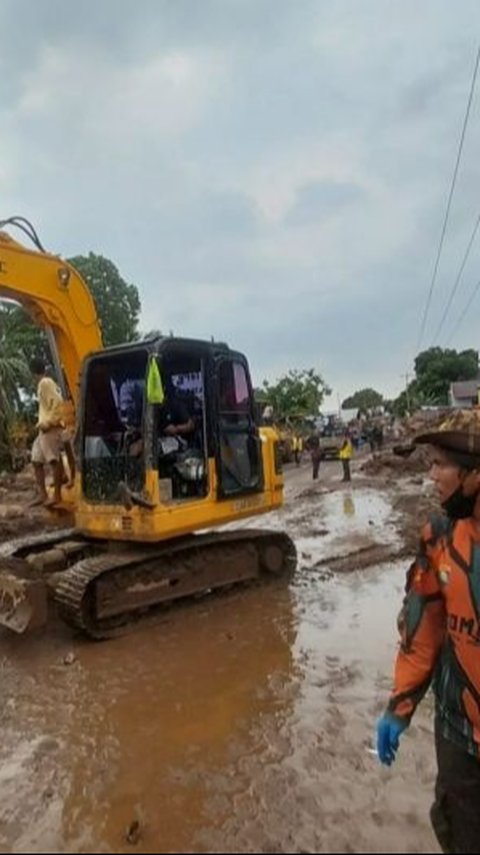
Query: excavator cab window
[[180, 428], [112, 438], [239, 459]]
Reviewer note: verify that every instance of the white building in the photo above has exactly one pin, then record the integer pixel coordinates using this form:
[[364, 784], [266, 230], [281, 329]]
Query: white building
[[464, 393]]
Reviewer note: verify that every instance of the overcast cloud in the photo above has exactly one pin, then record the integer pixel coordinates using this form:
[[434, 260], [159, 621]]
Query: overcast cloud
[[271, 173]]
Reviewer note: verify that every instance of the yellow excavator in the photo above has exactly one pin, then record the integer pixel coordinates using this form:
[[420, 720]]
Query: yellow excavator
[[144, 501]]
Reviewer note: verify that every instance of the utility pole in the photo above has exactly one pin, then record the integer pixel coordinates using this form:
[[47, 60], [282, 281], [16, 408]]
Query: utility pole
[[407, 379]]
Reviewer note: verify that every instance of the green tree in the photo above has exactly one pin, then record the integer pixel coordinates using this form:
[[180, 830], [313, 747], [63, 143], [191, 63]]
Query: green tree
[[14, 375], [118, 307], [260, 395], [408, 401], [149, 334], [24, 337], [297, 393], [436, 369], [117, 302], [364, 399]]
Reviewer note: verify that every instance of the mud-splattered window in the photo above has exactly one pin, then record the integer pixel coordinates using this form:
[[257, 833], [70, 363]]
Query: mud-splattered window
[[112, 448], [234, 395], [239, 458]]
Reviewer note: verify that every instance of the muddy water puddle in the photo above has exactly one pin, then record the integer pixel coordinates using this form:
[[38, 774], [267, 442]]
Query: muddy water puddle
[[242, 722], [334, 525]]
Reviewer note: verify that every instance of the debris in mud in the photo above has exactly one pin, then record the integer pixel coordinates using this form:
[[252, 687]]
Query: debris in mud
[[16, 516], [413, 510], [323, 574], [386, 461], [310, 492], [404, 450], [133, 832], [47, 745], [19, 524], [18, 483], [70, 658], [362, 558], [424, 420], [337, 675]]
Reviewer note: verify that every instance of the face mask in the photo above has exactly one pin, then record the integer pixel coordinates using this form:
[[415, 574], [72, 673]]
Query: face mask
[[458, 506]]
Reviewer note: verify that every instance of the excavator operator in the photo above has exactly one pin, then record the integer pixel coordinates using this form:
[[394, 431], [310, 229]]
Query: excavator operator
[[175, 425], [174, 418]]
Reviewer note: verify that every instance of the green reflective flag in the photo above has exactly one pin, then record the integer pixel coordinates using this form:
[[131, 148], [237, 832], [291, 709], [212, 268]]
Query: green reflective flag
[[155, 393]]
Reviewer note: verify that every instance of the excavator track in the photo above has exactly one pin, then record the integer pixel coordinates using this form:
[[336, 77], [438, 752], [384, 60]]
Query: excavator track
[[20, 545], [26, 565], [104, 594]]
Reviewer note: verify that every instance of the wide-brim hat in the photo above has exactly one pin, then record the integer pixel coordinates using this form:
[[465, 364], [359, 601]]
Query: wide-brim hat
[[459, 432]]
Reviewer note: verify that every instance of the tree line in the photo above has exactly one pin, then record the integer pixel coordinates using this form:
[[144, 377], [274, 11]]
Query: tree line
[[301, 393], [435, 370]]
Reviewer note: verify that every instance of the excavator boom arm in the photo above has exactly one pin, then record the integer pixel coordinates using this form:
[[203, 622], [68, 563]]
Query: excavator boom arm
[[57, 299]]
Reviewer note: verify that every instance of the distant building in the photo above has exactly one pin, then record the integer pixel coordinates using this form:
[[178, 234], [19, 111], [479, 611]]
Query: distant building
[[464, 393], [348, 415]]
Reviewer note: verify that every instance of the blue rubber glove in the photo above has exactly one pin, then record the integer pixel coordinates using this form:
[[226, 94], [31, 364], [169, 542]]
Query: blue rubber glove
[[389, 730]]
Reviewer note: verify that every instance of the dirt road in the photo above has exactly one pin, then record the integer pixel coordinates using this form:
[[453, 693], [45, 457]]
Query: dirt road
[[242, 722]]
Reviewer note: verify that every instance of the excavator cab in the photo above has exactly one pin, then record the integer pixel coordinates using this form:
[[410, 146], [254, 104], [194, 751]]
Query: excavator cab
[[196, 441]]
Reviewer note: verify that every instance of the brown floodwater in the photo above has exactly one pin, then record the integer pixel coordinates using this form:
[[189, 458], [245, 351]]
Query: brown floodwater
[[239, 722]]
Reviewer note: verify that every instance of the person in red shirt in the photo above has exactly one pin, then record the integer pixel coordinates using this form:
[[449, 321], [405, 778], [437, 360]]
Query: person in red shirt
[[440, 636]]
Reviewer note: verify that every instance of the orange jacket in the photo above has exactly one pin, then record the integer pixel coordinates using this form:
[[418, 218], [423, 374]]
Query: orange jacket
[[440, 631]]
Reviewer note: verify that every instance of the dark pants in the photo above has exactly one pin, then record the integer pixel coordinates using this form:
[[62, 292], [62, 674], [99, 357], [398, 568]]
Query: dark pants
[[297, 455], [316, 460], [346, 470], [455, 813]]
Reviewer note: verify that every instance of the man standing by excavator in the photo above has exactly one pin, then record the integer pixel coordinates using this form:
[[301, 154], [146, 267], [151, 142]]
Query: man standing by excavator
[[47, 447], [440, 636]]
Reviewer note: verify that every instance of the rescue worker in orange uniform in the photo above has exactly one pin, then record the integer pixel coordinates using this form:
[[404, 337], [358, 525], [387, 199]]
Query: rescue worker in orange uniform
[[440, 636]]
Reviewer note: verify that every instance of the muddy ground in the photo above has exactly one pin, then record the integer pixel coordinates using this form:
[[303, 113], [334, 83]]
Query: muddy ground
[[241, 722]]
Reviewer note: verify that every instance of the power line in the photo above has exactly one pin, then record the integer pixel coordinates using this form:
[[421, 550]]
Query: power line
[[447, 213], [465, 311], [457, 281]]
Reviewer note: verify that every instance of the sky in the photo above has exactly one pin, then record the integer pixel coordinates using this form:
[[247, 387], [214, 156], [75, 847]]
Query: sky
[[273, 173]]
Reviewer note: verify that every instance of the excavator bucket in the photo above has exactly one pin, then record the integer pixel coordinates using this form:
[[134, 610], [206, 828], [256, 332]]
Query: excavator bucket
[[23, 603]]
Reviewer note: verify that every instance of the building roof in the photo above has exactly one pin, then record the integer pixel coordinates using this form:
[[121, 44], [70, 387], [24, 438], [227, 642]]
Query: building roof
[[465, 388]]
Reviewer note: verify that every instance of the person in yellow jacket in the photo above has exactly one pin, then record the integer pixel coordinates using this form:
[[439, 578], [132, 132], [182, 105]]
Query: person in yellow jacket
[[47, 447], [345, 455], [297, 448]]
